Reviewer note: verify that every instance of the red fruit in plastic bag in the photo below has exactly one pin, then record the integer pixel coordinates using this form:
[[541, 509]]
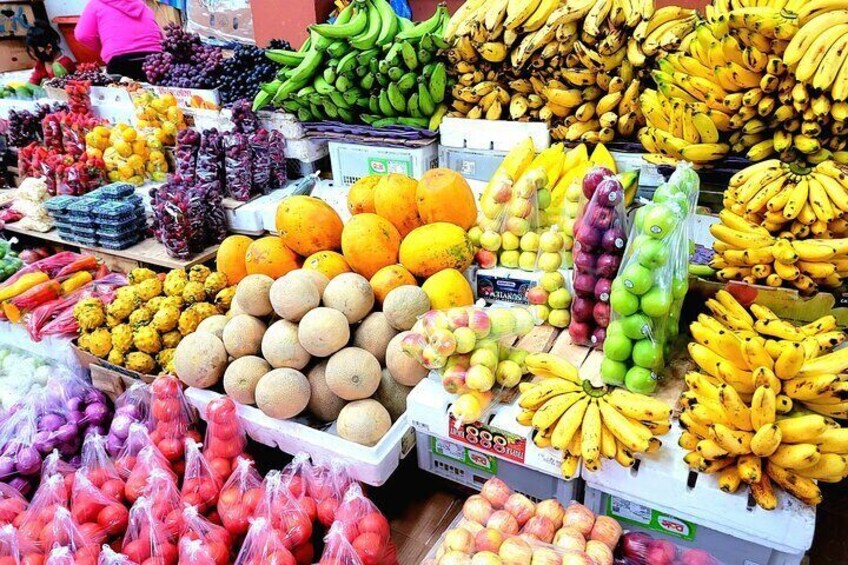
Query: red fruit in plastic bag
[[239, 497]]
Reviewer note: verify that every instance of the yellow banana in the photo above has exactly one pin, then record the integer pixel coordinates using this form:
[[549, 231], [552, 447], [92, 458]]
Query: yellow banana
[[800, 487], [750, 468], [763, 493], [766, 440], [623, 429], [607, 443], [736, 409], [796, 456], [638, 406], [833, 440], [544, 391], [802, 429], [568, 424], [763, 407], [591, 437], [729, 479], [790, 361], [732, 441], [831, 468], [547, 414], [548, 365]]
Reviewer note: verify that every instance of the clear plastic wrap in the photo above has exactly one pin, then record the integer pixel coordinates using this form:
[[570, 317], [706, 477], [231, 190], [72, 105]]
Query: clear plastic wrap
[[201, 485], [239, 497], [162, 489], [298, 477], [20, 460], [337, 548], [109, 556], [366, 528], [67, 542], [131, 407], [283, 511], [146, 538], [237, 166], [263, 546], [12, 505], [225, 437], [277, 154], [210, 157], [99, 468], [149, 459], [173, 420], [100, 512], [55, 465], [648, 293], [17, 550], [202, 542], [599, 241], [260, 154], [327, 488], [639, 548], [51, 495], [185, 154]]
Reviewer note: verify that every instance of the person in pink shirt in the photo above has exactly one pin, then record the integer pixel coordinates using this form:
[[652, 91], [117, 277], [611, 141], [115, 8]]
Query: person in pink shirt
[[124, 32]]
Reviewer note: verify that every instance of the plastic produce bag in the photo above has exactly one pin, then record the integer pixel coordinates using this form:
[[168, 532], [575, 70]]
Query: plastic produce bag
[[639, 548], [277, 154], [173, 420], [263, 546], [600, 237], [149, 460], [282, 510], [109, 556], [20, 459], [50, 496], [138, 438], [146, 537], [16, 550], [237, 166], [225, 437], [162, 489], [328, 485], [439, 334], [239, 497], [12, 505], [55, 465], [298, 478], [337, 548], [210, 157], [648, 293], [99, 469], [185, 154], [201, 485], [63, 532], [131, 407], [260, 154], [202, 542], [98, 509], [366, 528]]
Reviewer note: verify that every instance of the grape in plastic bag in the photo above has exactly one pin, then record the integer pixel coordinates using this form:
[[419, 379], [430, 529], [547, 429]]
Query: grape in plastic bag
[[237, 166], [147, 538], [202, 542], [240, 497], [225, 438], [201, 485], [260, 154], [366, 528], [131, 407], [185, 154]]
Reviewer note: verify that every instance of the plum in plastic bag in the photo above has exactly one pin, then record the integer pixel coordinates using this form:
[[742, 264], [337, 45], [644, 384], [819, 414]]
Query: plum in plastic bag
[[238, 166], [260, 152], [185, 154]]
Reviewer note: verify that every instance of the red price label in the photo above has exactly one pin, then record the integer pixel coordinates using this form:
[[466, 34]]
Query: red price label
[[491, 440]]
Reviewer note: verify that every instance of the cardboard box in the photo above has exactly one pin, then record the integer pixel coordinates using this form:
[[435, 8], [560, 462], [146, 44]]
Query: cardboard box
[[15, 19], [224, 21], [13, 56]]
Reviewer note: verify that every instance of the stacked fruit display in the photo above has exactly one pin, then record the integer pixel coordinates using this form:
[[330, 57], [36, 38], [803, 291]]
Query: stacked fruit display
[[578, 66], [572, 415], [368, 65], [768, 79], [501, 526], [600, 239], [143, 325], [128, 155], [761, 411], [160, 113]]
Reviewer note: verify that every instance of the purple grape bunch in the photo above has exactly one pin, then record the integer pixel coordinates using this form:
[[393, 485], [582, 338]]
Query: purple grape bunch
[[184, 62]]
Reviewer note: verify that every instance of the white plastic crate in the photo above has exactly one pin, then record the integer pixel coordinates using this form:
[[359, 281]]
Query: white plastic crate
[[352, 161], [285, 123], [499, 135], [307, 150], [246, 218], [371, 465], [664, 497], [472, 468], [473, 164]]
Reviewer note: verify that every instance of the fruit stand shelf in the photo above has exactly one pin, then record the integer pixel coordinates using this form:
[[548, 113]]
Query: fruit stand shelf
[[148, 251]]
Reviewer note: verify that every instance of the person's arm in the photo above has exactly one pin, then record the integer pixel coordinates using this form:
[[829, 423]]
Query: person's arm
[[39, 73], [86, 31]]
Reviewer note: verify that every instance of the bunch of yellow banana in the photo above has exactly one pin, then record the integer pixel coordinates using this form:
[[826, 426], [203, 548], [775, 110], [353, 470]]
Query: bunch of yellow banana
[[793, 201], [818, 51], [762, 408], [577, 65], [748, 252], [583, 421]]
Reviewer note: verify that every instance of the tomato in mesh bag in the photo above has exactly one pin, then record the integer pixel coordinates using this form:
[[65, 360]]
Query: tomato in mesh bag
[[98, 468], [327, 487], [48, 499], [201, 485], [12, 505], [147, 541], [337, 548], [138, 438], [173, 420], [239, 497], [149, 459], [17, 550], [263, 546], [297, 477], [283, 511], [225, 438], [96, 512], [366, 528], [202, 542], [131, 407], [161, 488]]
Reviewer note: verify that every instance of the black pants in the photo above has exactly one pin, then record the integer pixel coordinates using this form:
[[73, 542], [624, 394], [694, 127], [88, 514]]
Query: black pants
[[128, 65]]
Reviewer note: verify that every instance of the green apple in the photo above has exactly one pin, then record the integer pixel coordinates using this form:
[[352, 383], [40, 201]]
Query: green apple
[[485, 357], [503, 322], [550, 262], [559, 318], [639, 218], [508, 374], [559, 299], [680, 204], [617, 347], [466, 339], [636, 326], [474, 235], [551, 242], [540, 312], [648, 354], [664, 192], [637, 279], [652, 254], [615, 327], [573, 192], [479, 378], [490, 241], [679, 287], [656, 302], [552, 281], [527, 261], [659, 221], [517, 355], [613, 372], [509, 241], [543, 198], [529, 241], [639, 380], [509, 259], [622, 301]]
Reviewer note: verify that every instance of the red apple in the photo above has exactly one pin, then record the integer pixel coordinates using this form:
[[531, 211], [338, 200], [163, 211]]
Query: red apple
[[521, 507], [496, 492]]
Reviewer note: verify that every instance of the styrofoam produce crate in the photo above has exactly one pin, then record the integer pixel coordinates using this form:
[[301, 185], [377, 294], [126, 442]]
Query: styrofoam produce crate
[[500, 435], [247, 218], [283, 122], [473, 164], [352, 161], [470, 467], [371, 465], [664, 497], [306, 149], [499, 135]]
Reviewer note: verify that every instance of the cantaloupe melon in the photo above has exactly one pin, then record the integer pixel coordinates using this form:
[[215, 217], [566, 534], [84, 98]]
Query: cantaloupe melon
[[405, 370], [392, 395], [364, 422], [241, 377], [323, 331], [404, 305], [281, 348], [318, 278], [293, 295], [213, 325], [323, 403], [253, 295], [389, 278], [353, 373], [448, 288], [200, 360], [374, 334], [243, 335], [350, 294], [282, 393], [329, 263]]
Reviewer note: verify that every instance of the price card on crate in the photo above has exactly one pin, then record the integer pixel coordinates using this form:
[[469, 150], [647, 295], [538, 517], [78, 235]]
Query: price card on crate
[[491, 440], [649, 519], [475, 459]]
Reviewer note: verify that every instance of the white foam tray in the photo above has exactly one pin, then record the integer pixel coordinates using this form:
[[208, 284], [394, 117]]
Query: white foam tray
[[370, 465]]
